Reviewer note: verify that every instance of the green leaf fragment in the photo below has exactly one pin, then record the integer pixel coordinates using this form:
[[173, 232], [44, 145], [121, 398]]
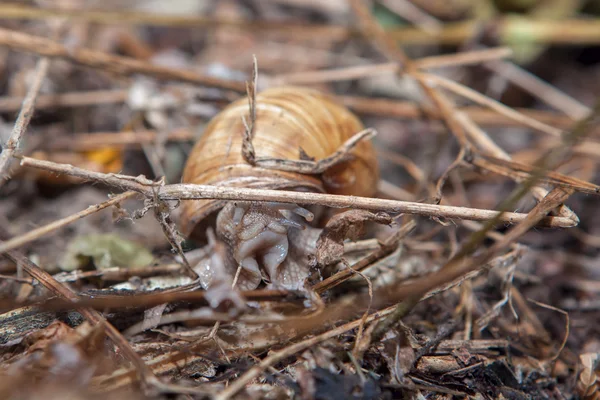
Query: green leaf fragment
[[105, 251]]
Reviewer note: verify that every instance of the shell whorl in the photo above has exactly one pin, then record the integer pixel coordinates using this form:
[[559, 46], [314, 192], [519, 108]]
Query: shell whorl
[[287, 119]]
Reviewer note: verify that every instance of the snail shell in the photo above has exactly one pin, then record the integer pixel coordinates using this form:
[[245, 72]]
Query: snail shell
[[289, 120]]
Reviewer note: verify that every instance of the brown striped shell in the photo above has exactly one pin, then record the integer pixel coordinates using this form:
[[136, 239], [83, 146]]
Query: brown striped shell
[[288, 119]]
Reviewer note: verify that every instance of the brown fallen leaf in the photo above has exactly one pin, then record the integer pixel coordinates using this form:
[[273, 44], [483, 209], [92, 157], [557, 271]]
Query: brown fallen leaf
[[347, 225]]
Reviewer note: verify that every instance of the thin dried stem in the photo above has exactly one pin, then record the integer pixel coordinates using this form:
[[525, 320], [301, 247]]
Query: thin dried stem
[[567, 326], [94, 317], [92, 141], [334, 74], [250, 125], [556, 197], [380, 39], [459, 161], [493, 104], [191, 191], [507, 259], [483, 142], [163, 216], [520, 172], [75, 99], [108, 62], [361, 105], [362, 71], [383, 251], [23, 119], [462, 263], [123, 273], [483, 116], [12, 11], [27, 281], [277, 356], [119, 302], [463, 58], [38, 233], [412, 13], [318, 167], [540, 89], [565, 31]]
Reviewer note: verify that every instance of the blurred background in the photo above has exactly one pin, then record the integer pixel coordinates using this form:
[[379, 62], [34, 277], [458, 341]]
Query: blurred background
[[102, 119]]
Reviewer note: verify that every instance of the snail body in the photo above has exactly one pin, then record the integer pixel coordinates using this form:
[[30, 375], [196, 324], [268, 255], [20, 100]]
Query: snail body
[[291, 123]]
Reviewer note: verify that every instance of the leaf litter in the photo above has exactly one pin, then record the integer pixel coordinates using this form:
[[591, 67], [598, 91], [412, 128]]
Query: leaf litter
[[395, 305]]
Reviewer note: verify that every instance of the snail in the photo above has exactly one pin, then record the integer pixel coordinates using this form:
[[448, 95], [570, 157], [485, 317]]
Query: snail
[[269, 241]]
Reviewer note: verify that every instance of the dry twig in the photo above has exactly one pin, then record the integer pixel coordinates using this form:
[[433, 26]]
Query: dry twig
[[75, 99], [574, 31], [275, 357], [94, 317], [486, 101], [191, 191], [362, 71], [53, 226], [107, 62], [23, 119]]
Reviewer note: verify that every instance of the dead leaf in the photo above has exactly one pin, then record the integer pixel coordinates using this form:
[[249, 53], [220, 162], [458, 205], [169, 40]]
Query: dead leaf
[[347, 225], [38, 340]]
